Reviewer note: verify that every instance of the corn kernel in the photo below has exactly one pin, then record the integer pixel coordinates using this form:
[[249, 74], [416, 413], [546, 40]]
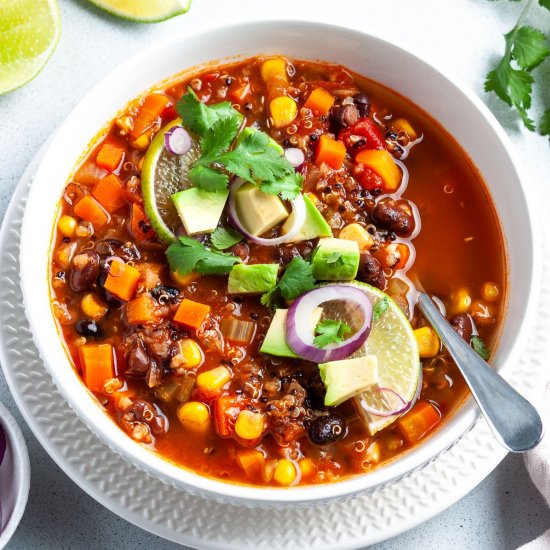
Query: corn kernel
[[307, 467], [184, 280], [403, 125], [275, 67], [490, 292], [213, 379], [283, 111], [67, 226], [93, 307], [461, 301], [356, 232], [142, 142], [285, 472], [189, 356], [428, 342], [249, 425], [194, 415]]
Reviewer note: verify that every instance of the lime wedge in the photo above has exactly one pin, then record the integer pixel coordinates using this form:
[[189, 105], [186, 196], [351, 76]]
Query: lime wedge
[[144, 11], [392, 341], [29, 31], [162, 175]]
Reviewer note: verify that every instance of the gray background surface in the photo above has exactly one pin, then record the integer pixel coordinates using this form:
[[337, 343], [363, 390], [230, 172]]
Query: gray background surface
[[505, 510]]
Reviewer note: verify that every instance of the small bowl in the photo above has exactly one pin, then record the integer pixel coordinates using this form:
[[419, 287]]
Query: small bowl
[[15, 477], [464, 116]]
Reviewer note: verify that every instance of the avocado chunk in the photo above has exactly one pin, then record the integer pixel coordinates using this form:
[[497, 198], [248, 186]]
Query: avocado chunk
[[349, 377], [335, 260], [314, 226], [199, 210], [258, 211], [275, 340], [252, 279]]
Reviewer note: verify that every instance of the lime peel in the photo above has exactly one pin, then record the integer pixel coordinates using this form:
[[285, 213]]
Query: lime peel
[[144, 11]]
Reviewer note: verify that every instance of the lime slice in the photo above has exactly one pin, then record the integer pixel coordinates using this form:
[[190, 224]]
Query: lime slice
[[29, 31], [144, 11], [162, 175], [392, 340]]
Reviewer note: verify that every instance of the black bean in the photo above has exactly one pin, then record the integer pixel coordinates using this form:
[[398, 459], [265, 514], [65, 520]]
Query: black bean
[[395, 216], [241, 250], [84, 271], [87, 327], [463, 325], [362, 101], [164, 290], [370, 270], [138, 361], [345, 116], [327, 429]]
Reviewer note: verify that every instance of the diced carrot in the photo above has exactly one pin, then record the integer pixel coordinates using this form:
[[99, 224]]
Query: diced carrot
[[320, 102], [404, 254], [251, 461], [141, 310], [140, 226], [239, 93], [109, 191], [97, 363], [191, 314], [109, 156], [151, 109], [89, 174], [330, 151], [89, 209], [415, 424], [382, 163], [122, 280]]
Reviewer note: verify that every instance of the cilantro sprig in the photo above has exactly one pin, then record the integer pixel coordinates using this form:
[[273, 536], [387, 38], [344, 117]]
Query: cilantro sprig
[[187, 255], [512, 79], [252, 156], [330, 332], [479, 347], [296, 280], [225, 237]]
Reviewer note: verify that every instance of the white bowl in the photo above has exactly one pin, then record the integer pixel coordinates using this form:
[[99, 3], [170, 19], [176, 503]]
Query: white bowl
[[15, 477], [456, 108]]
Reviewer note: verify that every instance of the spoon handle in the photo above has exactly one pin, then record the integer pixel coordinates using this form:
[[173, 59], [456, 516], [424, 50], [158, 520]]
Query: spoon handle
[[514, 421]]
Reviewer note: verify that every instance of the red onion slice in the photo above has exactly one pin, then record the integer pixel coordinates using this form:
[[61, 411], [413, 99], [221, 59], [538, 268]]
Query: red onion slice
[[177, 140], [397, 405], [298, 325], [298, 207], [295, 157]]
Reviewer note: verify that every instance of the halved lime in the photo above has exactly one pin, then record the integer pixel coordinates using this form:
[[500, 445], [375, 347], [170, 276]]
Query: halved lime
[[162, 175], [392, 340], [144, 11], [29, 31]]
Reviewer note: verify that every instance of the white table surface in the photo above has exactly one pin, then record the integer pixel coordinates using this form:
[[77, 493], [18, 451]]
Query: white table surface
[[462, 36]]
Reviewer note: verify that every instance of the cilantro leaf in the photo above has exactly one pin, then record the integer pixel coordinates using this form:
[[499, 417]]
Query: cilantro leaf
[[187, 254], [528, 47], [479, 347], [296, 280], [218, 138], [544, 126], [545, 4], [330, 332], [225, 237], [198, 117], [209, 179], [288, 187], [380, 308]]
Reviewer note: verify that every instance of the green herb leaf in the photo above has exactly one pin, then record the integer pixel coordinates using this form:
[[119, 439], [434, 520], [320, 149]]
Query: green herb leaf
[[330, 332], [528, 47], [218, 138], [187, 255], [288, 187], [544, 126], [545, 4], [479, 347], [296, 280], [209, 179], [198, 117], [380, 308], [225, 237]]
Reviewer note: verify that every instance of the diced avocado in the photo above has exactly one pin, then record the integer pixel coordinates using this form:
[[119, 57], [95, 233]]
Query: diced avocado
[[252, 279], [200, 211], [335, 260], [258, 211], [275, 340], [349, 377], [249, 130], [314, 226]]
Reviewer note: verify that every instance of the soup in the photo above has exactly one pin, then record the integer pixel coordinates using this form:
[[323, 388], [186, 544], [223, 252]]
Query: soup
[[235, 266]]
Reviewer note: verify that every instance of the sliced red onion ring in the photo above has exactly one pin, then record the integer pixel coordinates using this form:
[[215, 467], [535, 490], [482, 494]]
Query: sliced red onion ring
[[295, 156], [298, 323], [400, 406], [298, 207], [177, 140]]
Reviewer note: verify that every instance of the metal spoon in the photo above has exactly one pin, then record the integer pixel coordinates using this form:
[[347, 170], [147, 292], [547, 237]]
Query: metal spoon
[[515, 423]]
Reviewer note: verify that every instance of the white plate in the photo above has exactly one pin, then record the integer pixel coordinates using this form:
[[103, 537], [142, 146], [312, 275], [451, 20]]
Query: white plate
[[193, 521]]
